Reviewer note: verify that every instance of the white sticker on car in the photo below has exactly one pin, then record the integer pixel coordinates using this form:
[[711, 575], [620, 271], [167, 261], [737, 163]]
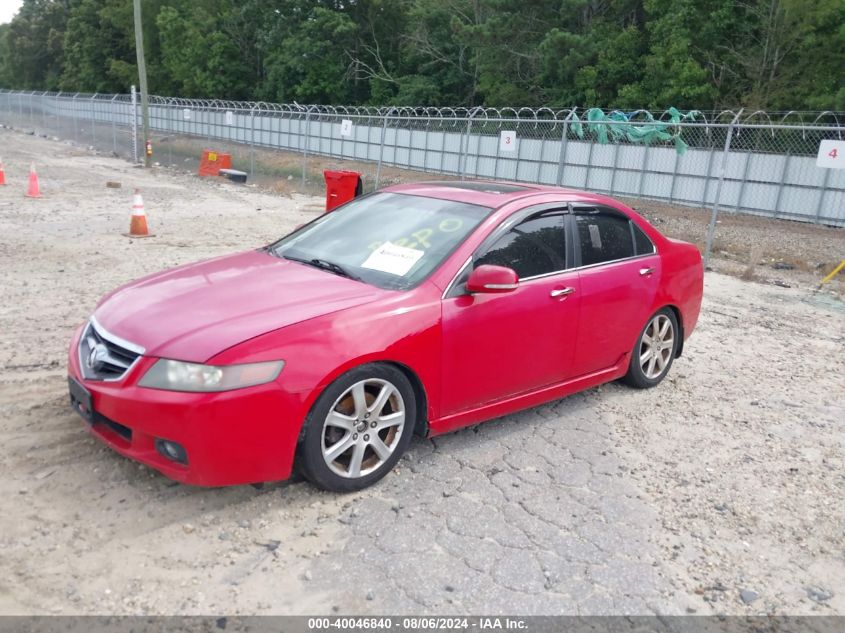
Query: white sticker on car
[[393, 259], [595, 236]]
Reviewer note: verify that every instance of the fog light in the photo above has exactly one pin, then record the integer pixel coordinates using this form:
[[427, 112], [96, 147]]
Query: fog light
[[172, 451]]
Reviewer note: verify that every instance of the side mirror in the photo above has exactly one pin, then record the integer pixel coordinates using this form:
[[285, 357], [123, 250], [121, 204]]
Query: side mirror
[[491, 279]]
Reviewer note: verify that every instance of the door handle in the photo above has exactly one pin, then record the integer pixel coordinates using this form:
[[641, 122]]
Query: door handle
[[646, 271], [562, 292]]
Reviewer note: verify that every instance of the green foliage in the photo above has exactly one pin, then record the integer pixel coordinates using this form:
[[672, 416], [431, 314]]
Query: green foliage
[[704, 54], [35, 44], [200, 59], [99, 47], [308, 64], [6, 75]]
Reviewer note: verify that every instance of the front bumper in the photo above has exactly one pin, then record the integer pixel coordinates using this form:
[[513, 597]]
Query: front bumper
[[233, 437]]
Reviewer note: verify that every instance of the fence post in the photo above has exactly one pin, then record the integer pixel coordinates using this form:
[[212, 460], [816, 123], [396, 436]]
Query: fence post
[[707, 177], [208, 122], [617, 147], [113, 125], [498, 155], [749, 156], [711, 230], [817, 219], [58, 108], [304, 138], [93, 123], [43, 112], [564, 140], [172, 123], [134, 125], [643, 170], [589, 164], [381, 146], [783, 174], [674, 178], [75, 124], [252, 140], [465, 152]]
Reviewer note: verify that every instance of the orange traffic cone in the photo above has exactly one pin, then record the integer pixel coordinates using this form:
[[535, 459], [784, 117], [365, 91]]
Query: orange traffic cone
[[33, 191], [138, 224], [2, 173]]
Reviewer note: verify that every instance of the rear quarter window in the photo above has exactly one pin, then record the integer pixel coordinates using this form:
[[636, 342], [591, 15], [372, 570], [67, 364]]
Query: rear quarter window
[[642, 244]]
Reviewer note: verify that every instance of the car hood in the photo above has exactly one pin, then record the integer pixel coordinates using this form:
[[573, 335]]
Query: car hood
[[196, 311]]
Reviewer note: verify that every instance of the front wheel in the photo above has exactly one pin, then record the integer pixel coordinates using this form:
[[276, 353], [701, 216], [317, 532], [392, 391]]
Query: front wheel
[[358, 428], [654, 351]]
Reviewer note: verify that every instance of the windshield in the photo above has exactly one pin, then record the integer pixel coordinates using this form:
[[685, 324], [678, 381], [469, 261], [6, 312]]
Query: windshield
[[389, 240]]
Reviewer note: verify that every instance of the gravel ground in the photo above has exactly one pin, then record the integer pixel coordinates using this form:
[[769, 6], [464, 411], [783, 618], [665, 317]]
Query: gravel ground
[[718, 492]]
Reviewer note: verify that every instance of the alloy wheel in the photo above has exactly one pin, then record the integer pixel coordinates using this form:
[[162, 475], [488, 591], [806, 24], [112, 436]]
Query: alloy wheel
[[657, 346], [363, 428]]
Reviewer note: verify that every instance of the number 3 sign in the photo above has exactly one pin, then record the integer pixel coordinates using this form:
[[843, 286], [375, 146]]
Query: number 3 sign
[[507, 141], [831, 154]]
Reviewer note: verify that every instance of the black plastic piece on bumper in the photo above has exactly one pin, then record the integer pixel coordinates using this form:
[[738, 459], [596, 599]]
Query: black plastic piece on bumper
[[123, 431]]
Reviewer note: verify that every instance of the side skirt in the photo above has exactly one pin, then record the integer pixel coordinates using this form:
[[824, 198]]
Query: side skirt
[[528, 400]]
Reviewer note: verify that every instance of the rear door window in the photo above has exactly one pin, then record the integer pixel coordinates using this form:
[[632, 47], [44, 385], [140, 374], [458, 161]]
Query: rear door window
[[604, 237]]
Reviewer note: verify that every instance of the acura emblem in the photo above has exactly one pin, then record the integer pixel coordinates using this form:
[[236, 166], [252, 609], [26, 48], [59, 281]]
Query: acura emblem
[[97, 357]]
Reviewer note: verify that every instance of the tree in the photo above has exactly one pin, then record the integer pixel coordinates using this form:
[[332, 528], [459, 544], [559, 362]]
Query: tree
[[35, 44], [6, 76], [794, 52], [309, 63], [631, 54], [438, 61], [99, 47], [200, 58]]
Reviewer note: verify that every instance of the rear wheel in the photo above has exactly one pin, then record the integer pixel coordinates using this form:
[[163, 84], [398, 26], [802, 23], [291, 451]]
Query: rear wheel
[[654, 351], [358, 428]]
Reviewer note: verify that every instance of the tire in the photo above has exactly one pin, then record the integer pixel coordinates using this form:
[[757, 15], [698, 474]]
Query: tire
[[358, 429], [649, 366]]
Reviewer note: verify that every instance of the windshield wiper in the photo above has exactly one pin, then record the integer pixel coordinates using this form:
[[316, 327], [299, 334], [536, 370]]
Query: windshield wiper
[[323, 264]]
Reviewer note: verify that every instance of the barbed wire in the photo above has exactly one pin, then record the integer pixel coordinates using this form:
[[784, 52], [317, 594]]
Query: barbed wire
[[791, 118]]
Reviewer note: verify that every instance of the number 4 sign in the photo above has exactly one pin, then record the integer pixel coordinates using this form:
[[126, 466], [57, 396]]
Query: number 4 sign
[[507, 141], [831, 154]]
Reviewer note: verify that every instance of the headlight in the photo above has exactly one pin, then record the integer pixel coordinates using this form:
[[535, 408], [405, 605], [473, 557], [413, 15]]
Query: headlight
[[176, 375]]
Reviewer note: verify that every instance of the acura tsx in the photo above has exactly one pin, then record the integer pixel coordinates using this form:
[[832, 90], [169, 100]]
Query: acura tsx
[[418, 309]]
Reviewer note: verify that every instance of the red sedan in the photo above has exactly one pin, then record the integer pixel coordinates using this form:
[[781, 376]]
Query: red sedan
[[418, 309]]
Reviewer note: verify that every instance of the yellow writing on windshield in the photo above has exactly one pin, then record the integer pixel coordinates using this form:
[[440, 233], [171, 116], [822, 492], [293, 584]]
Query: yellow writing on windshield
[[420, 238]]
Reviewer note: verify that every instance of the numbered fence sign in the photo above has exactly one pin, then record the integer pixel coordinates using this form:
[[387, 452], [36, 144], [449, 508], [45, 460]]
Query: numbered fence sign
[[831, 154], [230, 117], [507, 141], [186, 114], [346, 127]]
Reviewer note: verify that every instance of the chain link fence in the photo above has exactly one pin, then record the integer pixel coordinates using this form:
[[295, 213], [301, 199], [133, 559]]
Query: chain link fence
[[744, 162]]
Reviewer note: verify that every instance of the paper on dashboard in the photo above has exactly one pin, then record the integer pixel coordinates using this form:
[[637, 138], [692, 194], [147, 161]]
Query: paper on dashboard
[[393, 259]]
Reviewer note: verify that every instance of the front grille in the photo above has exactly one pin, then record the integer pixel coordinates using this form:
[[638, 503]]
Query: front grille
[[103, 356]]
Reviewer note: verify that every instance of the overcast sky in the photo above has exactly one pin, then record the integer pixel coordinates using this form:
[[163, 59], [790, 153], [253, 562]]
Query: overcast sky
[[8, 8]]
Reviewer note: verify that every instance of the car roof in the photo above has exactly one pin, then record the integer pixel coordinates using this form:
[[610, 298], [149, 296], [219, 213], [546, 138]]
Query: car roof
[[488, 193]]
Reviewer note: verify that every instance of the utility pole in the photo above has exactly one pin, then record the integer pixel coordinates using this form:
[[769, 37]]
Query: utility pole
[[142, 74]]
